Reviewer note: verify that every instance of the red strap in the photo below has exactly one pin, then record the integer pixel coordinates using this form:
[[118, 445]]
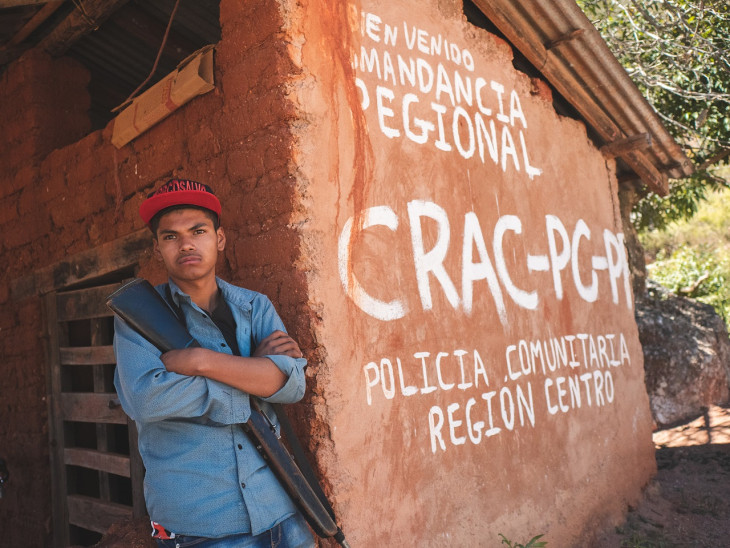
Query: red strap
[[158, 531]]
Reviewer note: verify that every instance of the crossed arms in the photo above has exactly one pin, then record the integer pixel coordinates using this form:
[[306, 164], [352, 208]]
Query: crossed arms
[[255, 375]]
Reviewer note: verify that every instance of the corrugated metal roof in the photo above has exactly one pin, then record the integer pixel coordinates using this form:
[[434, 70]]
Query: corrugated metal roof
[[559, 40]]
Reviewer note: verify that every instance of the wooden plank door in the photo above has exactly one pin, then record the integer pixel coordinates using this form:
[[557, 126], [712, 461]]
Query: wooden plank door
[[96, 470]]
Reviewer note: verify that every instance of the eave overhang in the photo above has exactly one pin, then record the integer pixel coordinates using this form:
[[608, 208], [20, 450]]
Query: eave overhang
[[557, 38]]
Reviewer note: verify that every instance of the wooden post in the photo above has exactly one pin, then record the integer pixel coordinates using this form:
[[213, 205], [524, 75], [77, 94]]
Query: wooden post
[[55, 424]]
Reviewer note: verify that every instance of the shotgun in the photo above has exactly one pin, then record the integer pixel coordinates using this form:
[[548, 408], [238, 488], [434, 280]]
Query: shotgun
[[140, 305]]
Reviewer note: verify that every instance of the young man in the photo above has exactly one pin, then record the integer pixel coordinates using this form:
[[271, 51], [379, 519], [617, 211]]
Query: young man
[[205, 483]]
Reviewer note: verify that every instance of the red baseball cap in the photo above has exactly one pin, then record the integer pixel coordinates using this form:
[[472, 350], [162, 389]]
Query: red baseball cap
[[179, 192]]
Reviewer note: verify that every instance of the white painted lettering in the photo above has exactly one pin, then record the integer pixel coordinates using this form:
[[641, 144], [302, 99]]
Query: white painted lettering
[[523, 298], [385, 112], [431, 262]]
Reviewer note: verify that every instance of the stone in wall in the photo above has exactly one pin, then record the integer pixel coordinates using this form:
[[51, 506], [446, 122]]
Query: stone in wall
[[686, 355]]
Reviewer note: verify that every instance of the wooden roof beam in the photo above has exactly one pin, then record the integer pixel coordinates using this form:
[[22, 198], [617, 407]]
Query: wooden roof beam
[[37, 20], [87, 17], [580, 67], [18, 3], [620, 147]]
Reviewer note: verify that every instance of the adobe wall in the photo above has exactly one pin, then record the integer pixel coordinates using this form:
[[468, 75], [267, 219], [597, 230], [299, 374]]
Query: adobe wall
[[483, 369], [36, 119], [65, 192]]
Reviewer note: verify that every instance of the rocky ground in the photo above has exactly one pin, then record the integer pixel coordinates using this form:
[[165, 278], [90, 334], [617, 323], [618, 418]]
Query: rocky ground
[[687, 505]]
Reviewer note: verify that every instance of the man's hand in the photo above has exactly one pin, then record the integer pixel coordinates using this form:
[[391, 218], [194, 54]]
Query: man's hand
[[278, 344], [256, 375], [186, 361]]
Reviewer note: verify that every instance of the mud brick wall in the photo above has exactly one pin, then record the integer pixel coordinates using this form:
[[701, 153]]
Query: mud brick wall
[[43, 107], [65, 191]]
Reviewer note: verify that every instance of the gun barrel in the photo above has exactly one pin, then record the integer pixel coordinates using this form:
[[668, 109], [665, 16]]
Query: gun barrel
[[146, 311]]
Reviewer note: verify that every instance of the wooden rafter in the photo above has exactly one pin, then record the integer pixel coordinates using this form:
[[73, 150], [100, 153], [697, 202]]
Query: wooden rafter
[[87, 17], [621, 147], [37, 20], [17, 3]]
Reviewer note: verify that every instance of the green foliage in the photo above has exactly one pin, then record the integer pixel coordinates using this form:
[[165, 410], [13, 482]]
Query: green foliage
[[638, 540], [692, 257], [678, 54], [697, 274], [685, 196], [709, 228], [534, 542]]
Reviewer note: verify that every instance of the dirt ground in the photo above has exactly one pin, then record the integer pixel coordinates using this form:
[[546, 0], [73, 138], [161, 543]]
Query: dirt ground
[[687, 504]]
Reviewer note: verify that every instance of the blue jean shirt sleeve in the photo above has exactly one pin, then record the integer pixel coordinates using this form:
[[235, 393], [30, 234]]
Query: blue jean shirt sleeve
[[293, 389], [148, 392], [264, 321]]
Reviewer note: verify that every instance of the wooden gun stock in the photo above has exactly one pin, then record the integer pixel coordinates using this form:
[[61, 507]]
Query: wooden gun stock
[[146, 311]]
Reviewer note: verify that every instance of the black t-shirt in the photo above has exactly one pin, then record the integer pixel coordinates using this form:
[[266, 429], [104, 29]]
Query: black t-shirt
[[223, 318]]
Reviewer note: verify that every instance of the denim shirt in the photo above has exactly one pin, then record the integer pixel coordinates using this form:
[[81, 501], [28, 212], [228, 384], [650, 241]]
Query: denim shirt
[[203, 475]]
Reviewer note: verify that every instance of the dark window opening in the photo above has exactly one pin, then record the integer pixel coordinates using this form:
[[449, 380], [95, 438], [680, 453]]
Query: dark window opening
[[82, 481], [80, 435], [83, 537], [118, 438], [121, 52]]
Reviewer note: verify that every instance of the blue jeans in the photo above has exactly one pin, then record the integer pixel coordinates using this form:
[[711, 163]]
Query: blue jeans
[[290, 533]]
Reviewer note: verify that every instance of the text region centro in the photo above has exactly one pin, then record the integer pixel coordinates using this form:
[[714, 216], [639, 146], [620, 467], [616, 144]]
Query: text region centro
[[559, 375]]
